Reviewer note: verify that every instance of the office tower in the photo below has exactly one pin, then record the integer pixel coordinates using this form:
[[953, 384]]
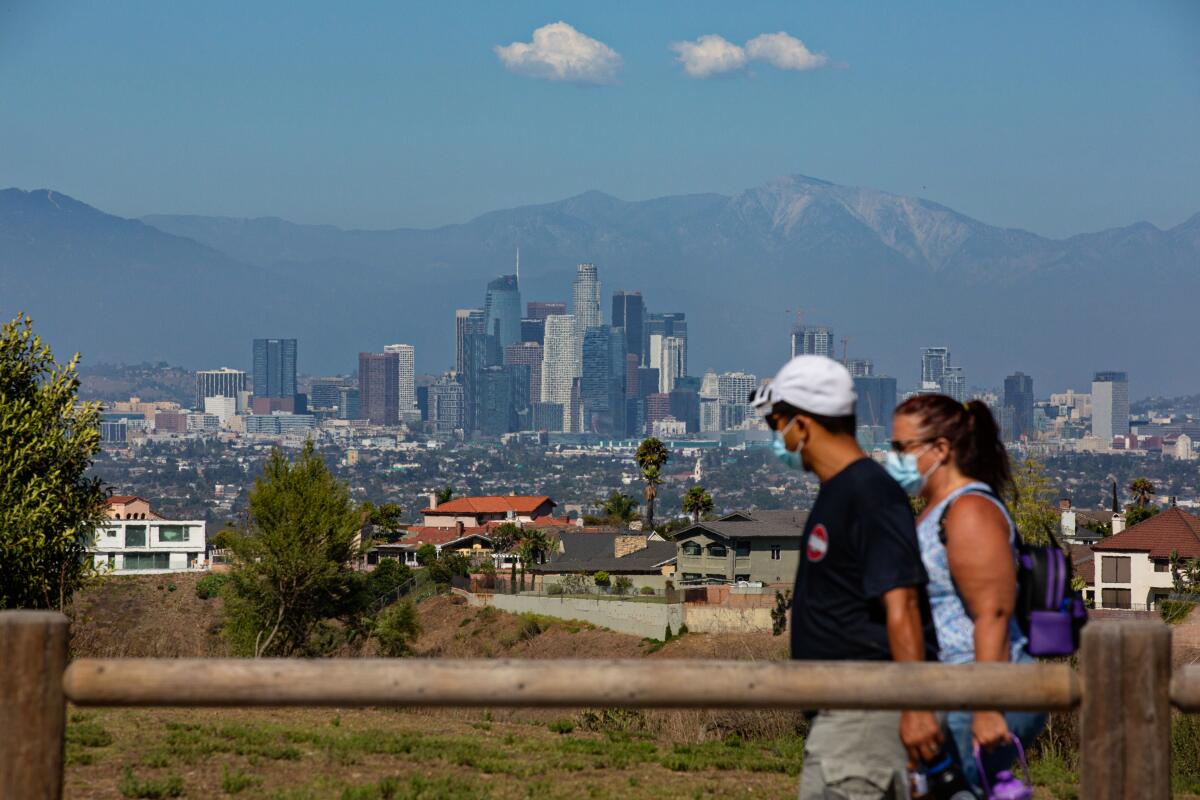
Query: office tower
[[325, 392], [546, 416], [663, 325], [496, 410], [602, 383], [467, 321], [530, 355], [575, 410], [934, 361], [733, 390], [685, 407], [1018, 396], [223, 382], [710, 414], [447, 405], [647, 382], [480, 351], [533, 330], [670, 363], [521, 397], [347, 403], [539, 310], [629, 312], [560, 366], [379, 387], [954, 383], [860, 367], [274, 367], [876, 402], [631, 374], [502, 310], [813, 340], [658, 407], [423, 401], [585, 298], [406, 376], [1110, 406]]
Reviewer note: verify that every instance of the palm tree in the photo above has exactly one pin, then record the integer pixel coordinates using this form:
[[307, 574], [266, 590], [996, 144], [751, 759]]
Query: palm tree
[[538, 544], [1142, 491], [620, 509], [697, 502], [651, 457]]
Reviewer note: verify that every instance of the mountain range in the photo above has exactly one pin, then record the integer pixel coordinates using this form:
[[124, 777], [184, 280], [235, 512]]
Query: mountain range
[[890, 273]]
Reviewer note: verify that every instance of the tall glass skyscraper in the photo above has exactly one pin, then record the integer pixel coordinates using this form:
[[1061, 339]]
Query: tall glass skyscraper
[[560, 363], [502, 310], [585, 297], [602, 384], [274, 367], [467, 321], [629, 312], [1110, 406], [406, 354]]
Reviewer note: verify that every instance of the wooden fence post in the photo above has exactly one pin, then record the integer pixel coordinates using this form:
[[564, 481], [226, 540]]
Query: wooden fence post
[[33, 656], [1125, 716]]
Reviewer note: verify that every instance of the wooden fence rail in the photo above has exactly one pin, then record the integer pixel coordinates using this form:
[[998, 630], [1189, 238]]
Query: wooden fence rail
[[1123, 689]]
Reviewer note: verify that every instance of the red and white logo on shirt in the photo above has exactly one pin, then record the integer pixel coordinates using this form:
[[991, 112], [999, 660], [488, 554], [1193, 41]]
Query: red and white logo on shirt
[[818, 543]]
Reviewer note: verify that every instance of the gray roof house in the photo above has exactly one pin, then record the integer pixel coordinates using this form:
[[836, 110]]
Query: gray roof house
[[756, 546], [627, 553]]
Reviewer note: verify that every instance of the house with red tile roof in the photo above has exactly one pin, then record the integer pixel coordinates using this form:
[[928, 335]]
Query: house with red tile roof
[[1133, 569], [474, 512]]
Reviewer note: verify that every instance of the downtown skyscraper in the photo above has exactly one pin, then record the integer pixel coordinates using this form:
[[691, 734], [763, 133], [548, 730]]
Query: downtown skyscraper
[[502, 310], [406, 380], [585, 297], [274, 367], [561, 365], [629, 312], [1110, 406], [379, 387]]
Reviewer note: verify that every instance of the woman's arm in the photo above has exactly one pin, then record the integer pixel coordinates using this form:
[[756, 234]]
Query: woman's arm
[[981, 562]]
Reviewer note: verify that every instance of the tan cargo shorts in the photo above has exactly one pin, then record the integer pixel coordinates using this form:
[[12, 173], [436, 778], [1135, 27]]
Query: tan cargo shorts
[[854, 755]]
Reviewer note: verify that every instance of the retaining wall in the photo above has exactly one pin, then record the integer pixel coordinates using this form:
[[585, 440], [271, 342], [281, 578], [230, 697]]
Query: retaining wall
[[702, 618], [647, 620]]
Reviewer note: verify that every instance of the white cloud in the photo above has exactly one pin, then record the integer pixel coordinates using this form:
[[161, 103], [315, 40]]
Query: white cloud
[[558, 52], [709, 55], [785, 52]]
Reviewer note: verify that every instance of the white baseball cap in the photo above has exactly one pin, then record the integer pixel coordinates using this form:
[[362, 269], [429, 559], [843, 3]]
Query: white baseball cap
[[815, 384]]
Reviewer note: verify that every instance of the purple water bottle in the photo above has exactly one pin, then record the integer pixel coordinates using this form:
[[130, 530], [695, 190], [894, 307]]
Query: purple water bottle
[[1007, 786]]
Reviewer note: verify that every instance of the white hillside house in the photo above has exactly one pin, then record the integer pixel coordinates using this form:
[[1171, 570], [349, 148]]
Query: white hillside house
[[135, 540]]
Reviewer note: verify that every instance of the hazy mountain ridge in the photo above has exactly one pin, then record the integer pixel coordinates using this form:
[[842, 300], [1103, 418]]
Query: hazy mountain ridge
[[892, 272]]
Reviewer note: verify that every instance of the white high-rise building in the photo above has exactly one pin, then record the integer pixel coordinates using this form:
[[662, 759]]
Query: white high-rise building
[[408, 388], [670, 362], [560, 363], [223, 382], [585, 296], [1110, 406], [954, 383], [733, 389], [934, 361], [813, 340]]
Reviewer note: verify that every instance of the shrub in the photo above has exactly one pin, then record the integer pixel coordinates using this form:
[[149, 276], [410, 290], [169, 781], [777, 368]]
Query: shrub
[[601, 578], [1175, 611], [236, 781], [623, 584], [554, 588], [396, 627], [210, 585], [668, 635], [530, 628], [682, 630], [648, 590], [171, 587], [131, 786], [562, 726]]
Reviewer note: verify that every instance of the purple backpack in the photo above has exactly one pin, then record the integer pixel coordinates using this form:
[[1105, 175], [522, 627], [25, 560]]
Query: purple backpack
[[1048, 611]]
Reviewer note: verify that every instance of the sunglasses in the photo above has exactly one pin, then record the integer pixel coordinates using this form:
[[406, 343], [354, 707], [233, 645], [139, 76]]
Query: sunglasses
[[900, 445]]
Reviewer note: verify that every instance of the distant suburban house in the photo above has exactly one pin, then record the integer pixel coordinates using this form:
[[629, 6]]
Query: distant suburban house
[[134, 539], [474, 542], [1134, 565], [746, 546], [475, 512], [647, 560]]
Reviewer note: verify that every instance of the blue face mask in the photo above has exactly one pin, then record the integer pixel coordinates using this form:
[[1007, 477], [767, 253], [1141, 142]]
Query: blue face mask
[[904, 470], [790, 458]]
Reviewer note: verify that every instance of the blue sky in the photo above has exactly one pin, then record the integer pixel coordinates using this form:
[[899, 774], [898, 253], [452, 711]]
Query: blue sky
[[1057, 117]]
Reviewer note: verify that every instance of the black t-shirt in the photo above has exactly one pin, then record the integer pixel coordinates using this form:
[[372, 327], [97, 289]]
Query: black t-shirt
[[860, 542]]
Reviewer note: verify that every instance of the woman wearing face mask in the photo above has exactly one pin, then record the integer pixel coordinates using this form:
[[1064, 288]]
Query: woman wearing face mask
[[950, 455]]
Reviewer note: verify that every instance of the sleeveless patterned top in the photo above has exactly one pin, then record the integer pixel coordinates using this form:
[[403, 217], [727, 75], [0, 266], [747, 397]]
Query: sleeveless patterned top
[[955, 629]]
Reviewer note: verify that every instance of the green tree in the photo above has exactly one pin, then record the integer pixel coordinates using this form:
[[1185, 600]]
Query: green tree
[[619, 509], [292, 568], [652, 456], [1139, 513], [444, 494], [396, 627], [505, 537], [386, 518], [49, 507], [600, 578], [697, 502], [1142, 491], [426, 554], [1032, 503], [538, 544]]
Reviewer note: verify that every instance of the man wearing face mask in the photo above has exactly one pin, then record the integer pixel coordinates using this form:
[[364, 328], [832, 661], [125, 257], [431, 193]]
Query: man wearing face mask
[[859, 593]]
